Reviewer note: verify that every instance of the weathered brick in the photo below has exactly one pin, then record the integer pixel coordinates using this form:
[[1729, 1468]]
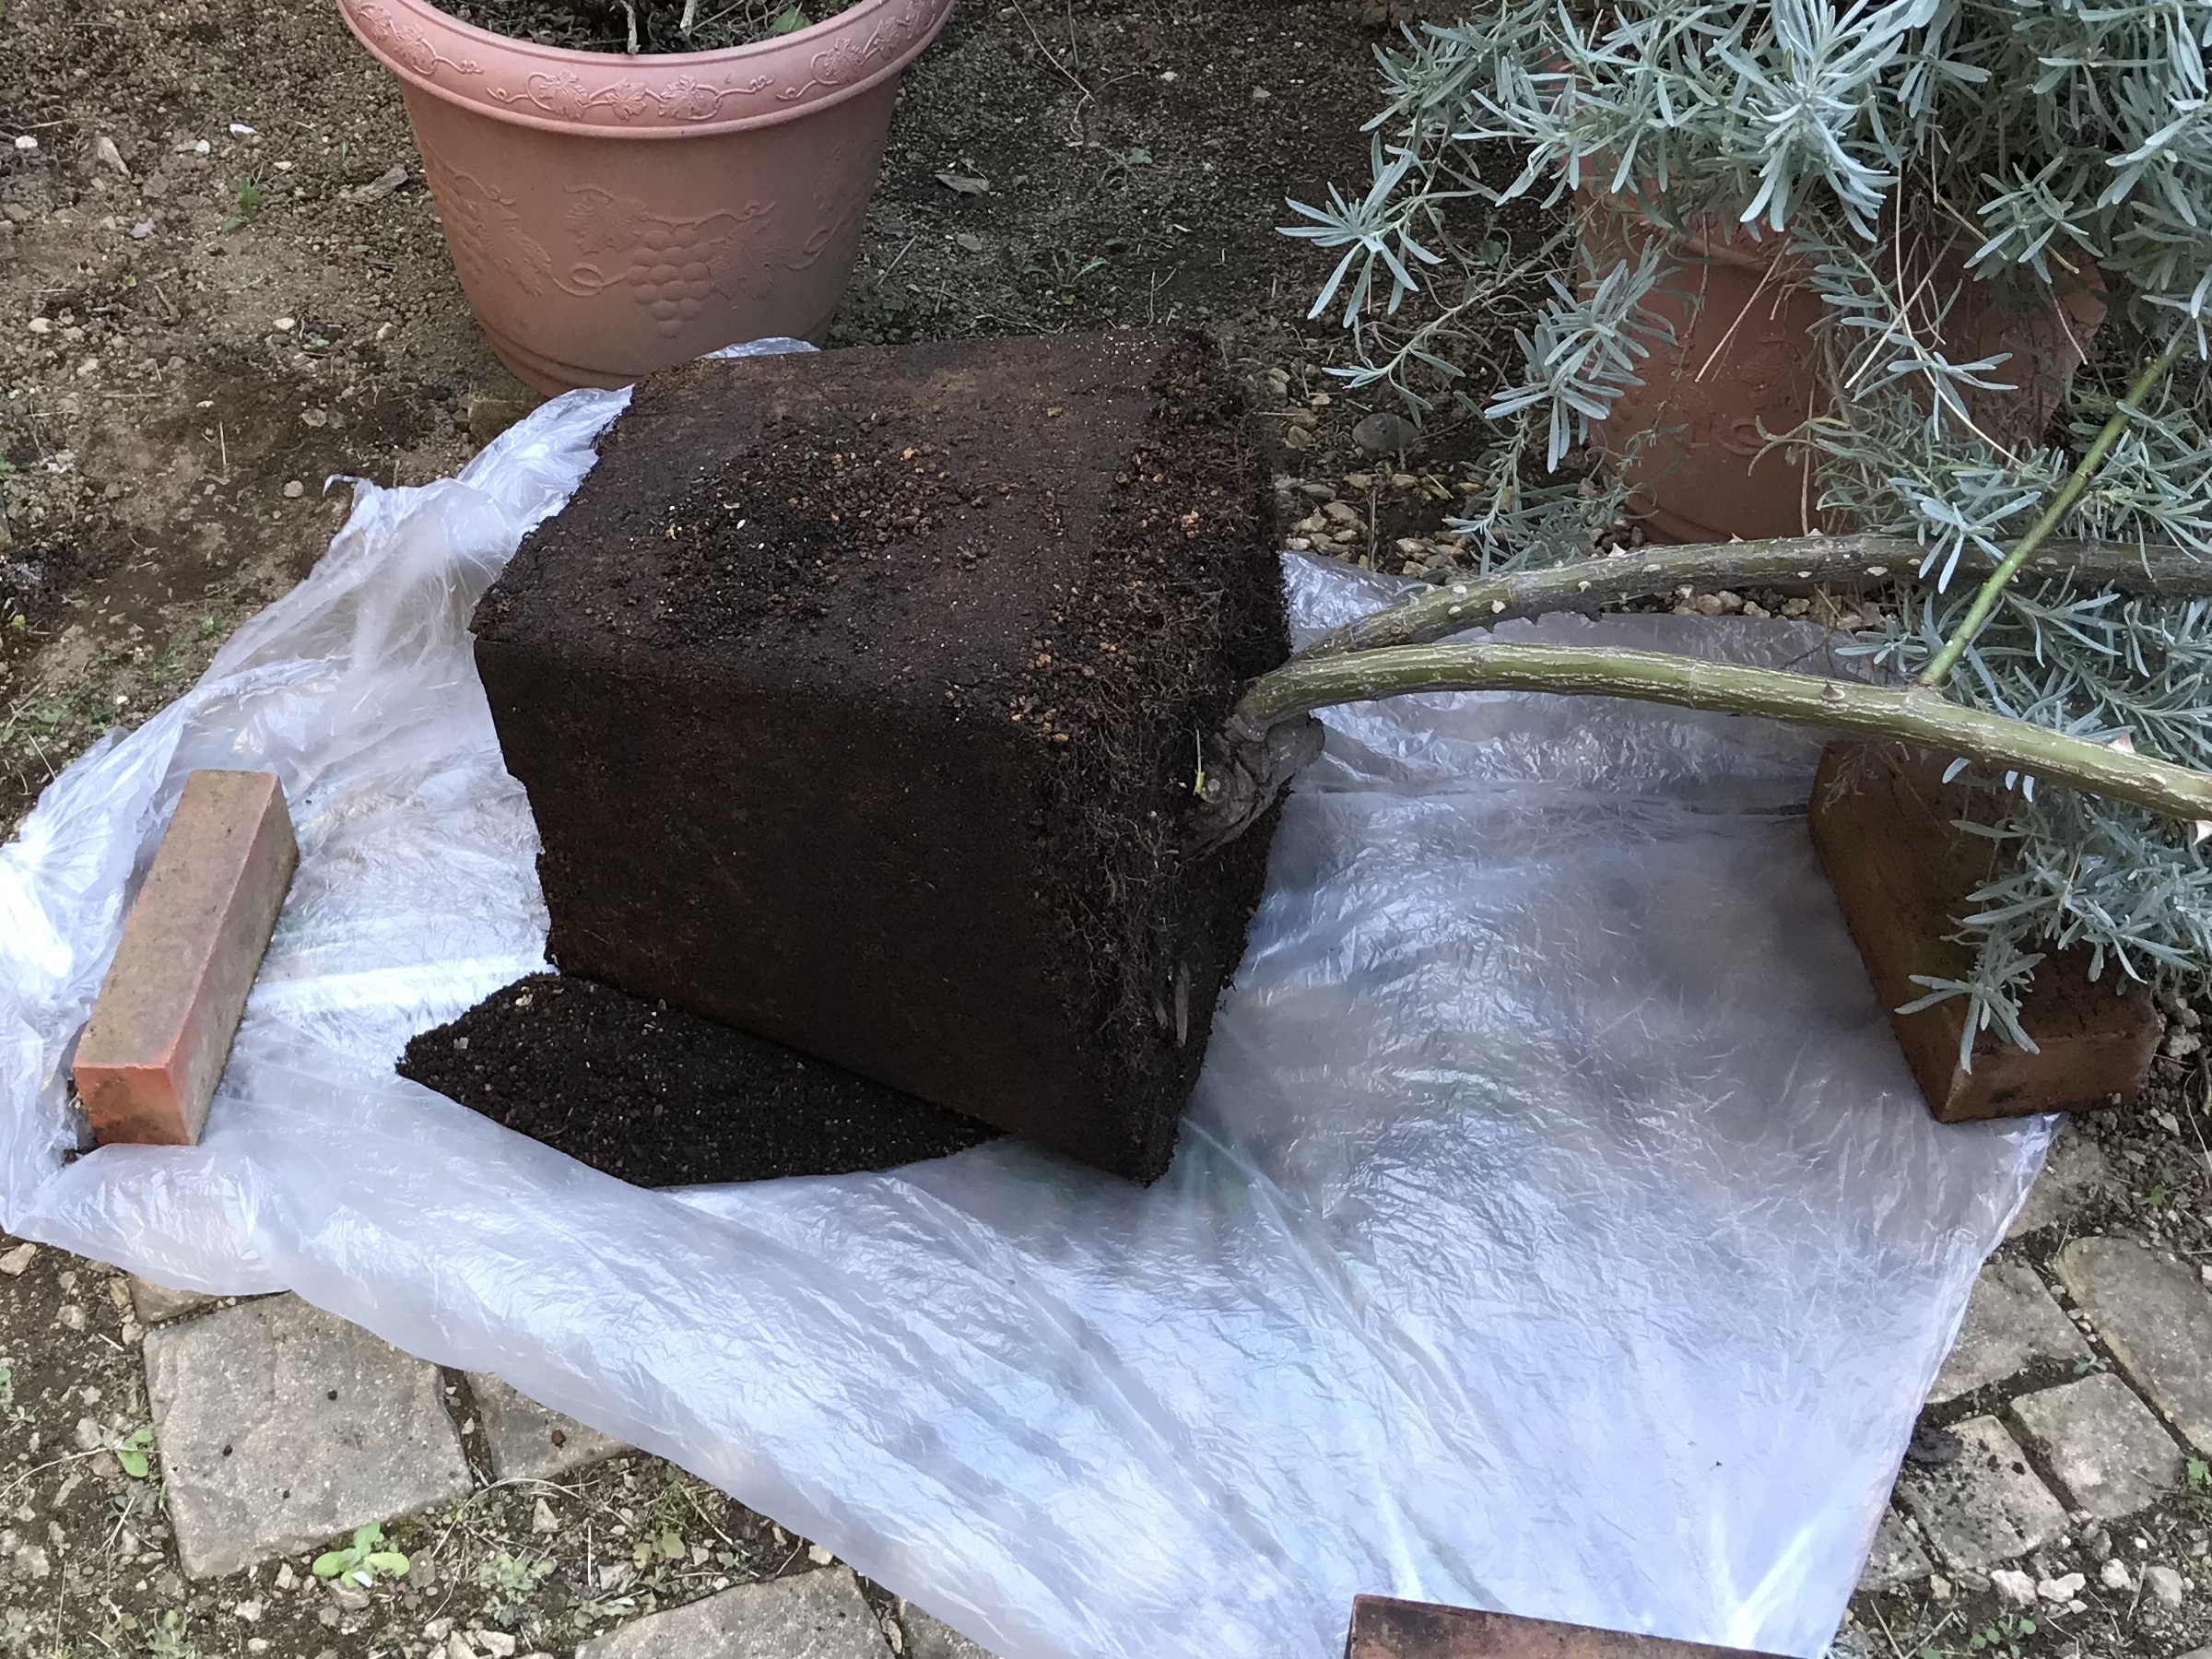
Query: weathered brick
[[160, 1031], [1384, 1628], [1884, 826]]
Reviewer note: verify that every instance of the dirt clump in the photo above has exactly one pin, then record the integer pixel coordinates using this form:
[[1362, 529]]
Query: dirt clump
[[657, 1096]]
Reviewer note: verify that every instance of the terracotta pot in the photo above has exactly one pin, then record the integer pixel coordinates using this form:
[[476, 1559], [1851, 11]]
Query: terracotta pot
[[1743, 367], [611, 215]]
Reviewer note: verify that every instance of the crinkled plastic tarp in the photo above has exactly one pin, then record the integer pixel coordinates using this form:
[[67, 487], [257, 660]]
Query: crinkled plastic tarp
[[1555, 1227]]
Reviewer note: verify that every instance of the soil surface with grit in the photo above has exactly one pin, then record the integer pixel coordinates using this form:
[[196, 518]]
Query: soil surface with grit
[[658, 1096], [859, 699], [605, 25]]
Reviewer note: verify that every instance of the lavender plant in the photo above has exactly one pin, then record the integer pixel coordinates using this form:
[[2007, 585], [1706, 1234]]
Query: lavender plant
[[2046, 146]]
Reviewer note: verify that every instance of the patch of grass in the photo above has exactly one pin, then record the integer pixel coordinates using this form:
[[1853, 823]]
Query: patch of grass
[[248, 199]]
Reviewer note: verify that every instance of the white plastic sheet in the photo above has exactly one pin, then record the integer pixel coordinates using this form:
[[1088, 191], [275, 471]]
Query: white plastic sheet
[[1555, 1227]]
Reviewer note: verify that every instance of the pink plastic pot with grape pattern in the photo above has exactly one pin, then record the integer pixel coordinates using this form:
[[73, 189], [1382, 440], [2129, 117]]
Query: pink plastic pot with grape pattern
[[611, 215]]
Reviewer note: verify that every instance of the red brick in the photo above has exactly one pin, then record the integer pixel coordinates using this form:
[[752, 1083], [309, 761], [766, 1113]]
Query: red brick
[[1386, 1629], [160, 1031], [1885, 825]]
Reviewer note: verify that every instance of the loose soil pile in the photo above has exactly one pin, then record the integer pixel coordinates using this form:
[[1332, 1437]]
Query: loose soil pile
[[605, 25], [859, 699], [658, 1096]]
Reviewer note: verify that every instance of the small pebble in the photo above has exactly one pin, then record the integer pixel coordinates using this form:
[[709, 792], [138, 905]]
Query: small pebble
[[820, 1556], [2114, 1575], [2013, 1585], [2164, 1585], [26, 144], [1384, 433], [294, 490]]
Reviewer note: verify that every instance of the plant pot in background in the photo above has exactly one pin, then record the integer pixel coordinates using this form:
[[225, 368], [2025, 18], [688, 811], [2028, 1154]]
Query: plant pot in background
[[610, 214], [1743, 367]]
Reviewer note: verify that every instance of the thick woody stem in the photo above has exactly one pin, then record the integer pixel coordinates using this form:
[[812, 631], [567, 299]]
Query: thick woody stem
[[1251, 755], [1648, 572]]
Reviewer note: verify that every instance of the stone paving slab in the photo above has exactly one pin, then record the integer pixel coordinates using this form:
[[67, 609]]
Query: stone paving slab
[[2075, 1174], [2011, 1322], [2155, 1316], [280, 1425], [2109, 1453], [156, 1304], [529, 1441], [1897, 1557], [1986, 1506], [812, 1615]]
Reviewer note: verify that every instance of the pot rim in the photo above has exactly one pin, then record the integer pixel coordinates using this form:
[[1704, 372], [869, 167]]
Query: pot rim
[[653, 95]]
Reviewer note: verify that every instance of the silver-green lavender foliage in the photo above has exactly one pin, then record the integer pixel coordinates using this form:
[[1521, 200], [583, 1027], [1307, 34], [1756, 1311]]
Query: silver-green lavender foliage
[[2057, 146]]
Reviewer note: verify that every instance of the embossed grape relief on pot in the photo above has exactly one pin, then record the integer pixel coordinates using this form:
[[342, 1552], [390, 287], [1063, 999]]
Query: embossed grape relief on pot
[[484, 228], [846, 60], [669, 263], [410, 46], [565, 94], [670, 266]]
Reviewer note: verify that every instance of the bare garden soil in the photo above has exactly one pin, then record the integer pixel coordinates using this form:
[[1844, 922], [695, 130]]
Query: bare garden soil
[[604, 25]]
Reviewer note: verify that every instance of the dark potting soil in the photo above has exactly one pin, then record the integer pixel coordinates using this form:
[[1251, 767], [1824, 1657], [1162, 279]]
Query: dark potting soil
[[661, 1097], [859, 697], [605, 25]]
